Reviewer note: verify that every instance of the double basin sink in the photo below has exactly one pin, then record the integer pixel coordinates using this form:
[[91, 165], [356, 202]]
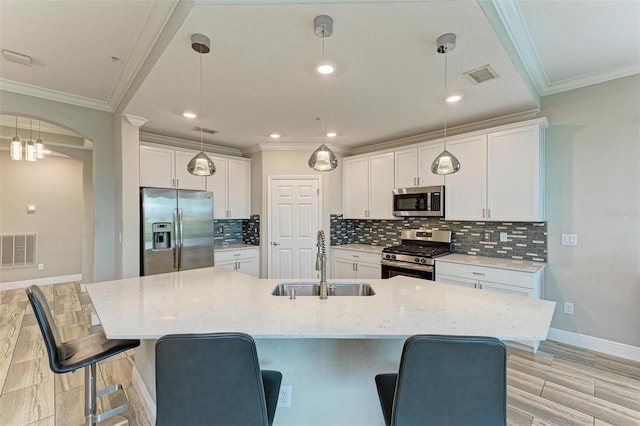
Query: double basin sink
[[313, 289]]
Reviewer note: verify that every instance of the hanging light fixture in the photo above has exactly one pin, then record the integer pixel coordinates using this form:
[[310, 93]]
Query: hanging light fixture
[[16, 145], [323, 159], [30, 147], [39, 145], [201, 164], [445, 163]]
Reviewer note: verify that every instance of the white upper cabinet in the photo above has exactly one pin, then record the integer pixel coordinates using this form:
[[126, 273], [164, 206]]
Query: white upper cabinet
[[501, 176], [167, 168], [466, 190], [413, 166], [368, 183], [231, 187]]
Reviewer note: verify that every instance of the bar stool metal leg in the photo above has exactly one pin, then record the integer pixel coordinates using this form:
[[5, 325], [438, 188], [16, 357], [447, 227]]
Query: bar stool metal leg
[[90, 394]]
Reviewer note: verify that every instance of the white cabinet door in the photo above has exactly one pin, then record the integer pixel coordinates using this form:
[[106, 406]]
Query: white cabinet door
[[466, 190], [217, 183], [157, 167], [381, 174], [239, 181], [514, 175], [342, 268], [248, 266], [406, 168], [426, 155], [355, 202], [184, 179], [370, 271]]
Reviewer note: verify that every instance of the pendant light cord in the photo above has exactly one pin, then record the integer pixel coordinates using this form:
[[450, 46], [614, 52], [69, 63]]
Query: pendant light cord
[[201, 123], [322, 88], [446, 53]]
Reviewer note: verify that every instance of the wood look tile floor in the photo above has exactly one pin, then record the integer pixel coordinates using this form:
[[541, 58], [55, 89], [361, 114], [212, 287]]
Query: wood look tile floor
[[560, 385]]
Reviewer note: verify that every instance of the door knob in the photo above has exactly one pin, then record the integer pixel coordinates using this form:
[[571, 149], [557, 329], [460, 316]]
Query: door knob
[[275, 243]]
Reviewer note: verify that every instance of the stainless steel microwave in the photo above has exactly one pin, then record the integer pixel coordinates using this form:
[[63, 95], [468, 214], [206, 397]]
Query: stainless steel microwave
[[419, 201]]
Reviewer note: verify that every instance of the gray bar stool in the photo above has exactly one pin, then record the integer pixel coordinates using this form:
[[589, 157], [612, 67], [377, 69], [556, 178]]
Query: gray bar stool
[[446, 380], [213, 379], [83, 352]]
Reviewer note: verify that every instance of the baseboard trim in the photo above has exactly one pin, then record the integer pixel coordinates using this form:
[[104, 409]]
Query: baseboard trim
[[40, 281], [597, 344], [148, 403]]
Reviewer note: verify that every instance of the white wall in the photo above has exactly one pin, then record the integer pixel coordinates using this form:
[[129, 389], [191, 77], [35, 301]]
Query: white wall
[[96, 126], [593, 190], [55, 186]]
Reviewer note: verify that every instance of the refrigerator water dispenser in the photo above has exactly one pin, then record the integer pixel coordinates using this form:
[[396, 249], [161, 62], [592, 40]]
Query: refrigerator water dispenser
[[161, 235]]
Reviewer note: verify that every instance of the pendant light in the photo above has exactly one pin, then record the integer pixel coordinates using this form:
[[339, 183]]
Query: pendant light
[[201, 164], [16, 145], [39, 145], [30, 147], [445, 163], [323, 159]]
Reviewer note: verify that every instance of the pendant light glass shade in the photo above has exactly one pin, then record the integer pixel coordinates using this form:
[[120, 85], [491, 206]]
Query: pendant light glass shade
[[30, 151], [445, 163], [201, 165], [16, 149], [323, 159]]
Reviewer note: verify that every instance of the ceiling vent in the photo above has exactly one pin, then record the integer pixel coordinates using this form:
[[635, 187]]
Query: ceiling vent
[[481, 75], [205, 130]]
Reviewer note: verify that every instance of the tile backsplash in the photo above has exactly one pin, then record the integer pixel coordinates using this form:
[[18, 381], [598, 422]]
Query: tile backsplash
[[237, 231], [525, 240]]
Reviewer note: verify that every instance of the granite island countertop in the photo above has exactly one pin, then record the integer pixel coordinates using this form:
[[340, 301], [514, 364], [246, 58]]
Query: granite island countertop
[[217, 300]]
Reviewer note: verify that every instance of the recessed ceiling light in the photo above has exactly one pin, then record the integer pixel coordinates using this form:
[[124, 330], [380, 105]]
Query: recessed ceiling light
[[331, 134], [189, 114], [274, 135], [325, 68], [452, 98]]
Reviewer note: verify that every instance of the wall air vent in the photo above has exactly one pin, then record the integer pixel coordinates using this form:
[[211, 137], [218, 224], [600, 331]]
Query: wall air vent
[[205, 130], [481, 75], [18, 250]]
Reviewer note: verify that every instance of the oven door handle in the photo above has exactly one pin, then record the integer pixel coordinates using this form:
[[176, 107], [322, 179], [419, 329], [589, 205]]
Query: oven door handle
[[413, 267]]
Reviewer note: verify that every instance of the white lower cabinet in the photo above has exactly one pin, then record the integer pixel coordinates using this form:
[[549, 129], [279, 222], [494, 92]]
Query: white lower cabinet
[[246, 261], [353, 264], [519, 283]]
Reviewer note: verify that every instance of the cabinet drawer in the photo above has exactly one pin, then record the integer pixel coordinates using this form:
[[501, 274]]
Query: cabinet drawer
[[356, 256], [230, 255], [481, 273]]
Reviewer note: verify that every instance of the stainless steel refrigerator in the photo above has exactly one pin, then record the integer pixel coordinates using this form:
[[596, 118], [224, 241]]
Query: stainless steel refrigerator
[[177, 230]]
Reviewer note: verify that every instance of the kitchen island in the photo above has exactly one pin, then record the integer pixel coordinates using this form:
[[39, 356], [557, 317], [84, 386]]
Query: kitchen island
[[328, 350]]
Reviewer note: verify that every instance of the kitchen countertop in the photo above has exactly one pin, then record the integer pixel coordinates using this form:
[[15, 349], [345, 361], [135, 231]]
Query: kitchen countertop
[[493, 262], [360, 247], [235, 247], [218, 300]]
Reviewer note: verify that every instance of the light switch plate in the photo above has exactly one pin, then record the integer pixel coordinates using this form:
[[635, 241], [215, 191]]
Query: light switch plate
[[569, 239], [504, 237], [31, 208]]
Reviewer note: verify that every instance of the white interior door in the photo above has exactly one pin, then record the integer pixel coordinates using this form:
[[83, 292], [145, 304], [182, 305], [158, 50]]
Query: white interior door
[[294, 223]]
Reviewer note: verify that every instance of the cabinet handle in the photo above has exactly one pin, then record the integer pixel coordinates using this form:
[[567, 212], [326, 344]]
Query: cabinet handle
[[488, 213], [418, 180], [475, 285], [353, 266], [478, 273], [483, 213], [177, 183], [275, 243], [356, 267], [414, 182], [480, 286]]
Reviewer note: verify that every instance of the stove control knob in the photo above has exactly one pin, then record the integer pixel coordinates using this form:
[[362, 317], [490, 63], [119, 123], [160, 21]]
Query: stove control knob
[[423, 260], [393, 257], [417, 260]]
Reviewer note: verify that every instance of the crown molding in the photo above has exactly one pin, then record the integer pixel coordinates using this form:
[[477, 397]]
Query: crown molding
[[135, 120], [295, 146], [53, 95], [187, 144]]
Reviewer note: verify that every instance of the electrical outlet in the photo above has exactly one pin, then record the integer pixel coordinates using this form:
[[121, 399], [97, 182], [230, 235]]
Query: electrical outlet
[[504, 237], [568, 308], [487, 236], [284, 398], [40, 266]]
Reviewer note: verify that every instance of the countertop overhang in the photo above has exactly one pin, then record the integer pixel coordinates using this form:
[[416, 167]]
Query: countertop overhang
[[215, 299]]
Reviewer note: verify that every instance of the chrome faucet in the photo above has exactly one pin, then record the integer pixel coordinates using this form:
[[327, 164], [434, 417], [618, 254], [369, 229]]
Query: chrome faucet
[[321, 265]]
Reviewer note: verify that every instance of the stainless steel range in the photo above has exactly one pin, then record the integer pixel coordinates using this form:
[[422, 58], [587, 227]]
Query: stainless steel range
[[415, 256]]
